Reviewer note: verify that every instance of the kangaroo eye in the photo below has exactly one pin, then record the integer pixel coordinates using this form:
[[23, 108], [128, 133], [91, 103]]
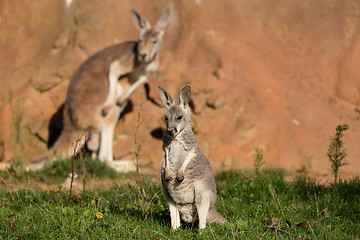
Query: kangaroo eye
[[179, 117], [166, 118], [154, 41]]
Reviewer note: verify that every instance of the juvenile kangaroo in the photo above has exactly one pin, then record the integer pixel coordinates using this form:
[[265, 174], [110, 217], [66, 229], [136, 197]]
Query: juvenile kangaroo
[[100, 88], [186, 175]]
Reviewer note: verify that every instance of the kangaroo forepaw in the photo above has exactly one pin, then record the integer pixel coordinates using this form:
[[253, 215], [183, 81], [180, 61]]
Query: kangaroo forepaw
[[168, 176], [121, 101], [105, 110], [180, 176]]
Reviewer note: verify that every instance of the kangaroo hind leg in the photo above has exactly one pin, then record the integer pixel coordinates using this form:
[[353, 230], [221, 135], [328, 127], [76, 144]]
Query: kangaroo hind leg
[[93, 144], [107, 134], [174, 214], [202, 202]]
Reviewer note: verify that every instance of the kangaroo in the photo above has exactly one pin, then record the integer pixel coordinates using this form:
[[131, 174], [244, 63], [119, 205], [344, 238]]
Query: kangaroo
[[101, 87], [186, 175]]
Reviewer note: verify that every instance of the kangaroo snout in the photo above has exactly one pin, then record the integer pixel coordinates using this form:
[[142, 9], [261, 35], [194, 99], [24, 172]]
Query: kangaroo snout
[[171, 131], [143, 56]]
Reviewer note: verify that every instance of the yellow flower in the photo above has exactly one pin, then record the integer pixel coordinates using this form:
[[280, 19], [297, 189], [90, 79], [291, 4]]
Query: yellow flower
[[99, 215], [76, 198]]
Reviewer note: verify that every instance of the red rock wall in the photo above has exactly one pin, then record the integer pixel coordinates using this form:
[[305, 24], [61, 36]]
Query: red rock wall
[[280, 75]]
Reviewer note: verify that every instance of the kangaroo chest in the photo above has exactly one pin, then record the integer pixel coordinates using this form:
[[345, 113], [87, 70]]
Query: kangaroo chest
[[180, 192], [175, 154], [132, 80], [136, 75], [143, 71]]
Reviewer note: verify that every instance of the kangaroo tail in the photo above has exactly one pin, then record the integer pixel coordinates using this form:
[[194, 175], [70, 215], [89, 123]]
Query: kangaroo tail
[[215, 217]]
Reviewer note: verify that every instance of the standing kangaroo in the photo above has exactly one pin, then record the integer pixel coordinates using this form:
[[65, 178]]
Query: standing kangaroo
[[186, 175], [100, 88]]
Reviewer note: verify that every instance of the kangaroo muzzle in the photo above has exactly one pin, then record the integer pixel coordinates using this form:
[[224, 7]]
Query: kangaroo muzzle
[[171, 131], [142, 56]]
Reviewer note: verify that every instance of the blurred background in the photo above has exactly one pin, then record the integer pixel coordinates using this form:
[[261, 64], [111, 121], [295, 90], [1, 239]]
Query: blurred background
[[278, 75]]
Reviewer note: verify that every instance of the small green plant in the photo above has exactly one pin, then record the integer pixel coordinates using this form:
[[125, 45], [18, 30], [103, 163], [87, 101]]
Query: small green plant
[[258, 160], [336, 151], [143, 193]]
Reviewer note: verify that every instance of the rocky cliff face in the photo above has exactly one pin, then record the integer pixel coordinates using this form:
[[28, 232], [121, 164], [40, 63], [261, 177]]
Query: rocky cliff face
[[279, 75]]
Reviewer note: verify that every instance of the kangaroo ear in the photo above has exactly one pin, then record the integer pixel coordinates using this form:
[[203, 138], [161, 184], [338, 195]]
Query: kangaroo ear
[[185, 96], [139, 21], [166, 98], [163, 21]]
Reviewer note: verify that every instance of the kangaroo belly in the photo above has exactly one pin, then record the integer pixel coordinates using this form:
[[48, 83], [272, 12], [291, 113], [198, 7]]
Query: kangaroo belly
[[181, 193]]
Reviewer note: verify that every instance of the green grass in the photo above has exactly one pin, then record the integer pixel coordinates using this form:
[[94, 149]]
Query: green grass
[[247, 200], [59, 170]]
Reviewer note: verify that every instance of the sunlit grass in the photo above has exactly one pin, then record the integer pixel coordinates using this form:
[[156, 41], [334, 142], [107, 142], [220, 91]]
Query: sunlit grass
[[257, 207]]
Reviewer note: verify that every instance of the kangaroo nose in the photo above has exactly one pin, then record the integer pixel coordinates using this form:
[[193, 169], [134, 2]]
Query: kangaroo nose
[[143, 55], [171, 131]]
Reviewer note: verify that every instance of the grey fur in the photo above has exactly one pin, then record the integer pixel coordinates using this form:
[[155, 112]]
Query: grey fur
[[186, 175]]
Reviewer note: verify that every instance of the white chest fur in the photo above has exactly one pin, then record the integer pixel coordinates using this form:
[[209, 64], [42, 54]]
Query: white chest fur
[[177, 158], [173, 152], [152, 67]]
